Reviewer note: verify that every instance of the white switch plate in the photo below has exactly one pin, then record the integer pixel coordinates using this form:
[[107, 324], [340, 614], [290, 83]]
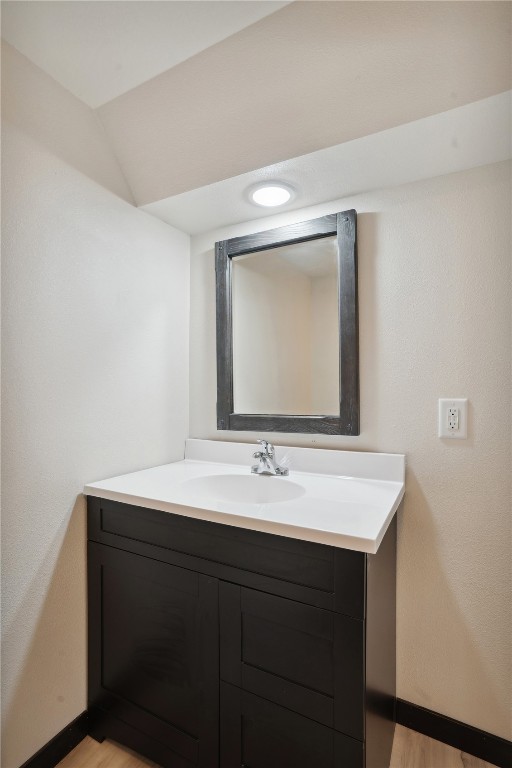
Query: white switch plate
[[453, 418]]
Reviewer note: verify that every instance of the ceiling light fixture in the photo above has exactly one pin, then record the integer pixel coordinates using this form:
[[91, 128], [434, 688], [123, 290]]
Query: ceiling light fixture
[[271, 194]]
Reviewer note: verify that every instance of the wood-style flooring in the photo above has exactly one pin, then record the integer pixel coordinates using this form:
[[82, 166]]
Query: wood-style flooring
[[410, 750]]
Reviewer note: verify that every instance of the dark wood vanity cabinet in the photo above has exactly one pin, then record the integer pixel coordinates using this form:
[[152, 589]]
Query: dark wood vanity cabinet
[[219, 647], [154, 651]]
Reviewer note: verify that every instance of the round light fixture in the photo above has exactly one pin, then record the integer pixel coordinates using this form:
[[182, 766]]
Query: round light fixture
[[271, 194]]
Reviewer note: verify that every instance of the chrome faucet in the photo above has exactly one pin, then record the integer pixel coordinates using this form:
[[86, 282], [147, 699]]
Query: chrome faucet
[[267, 464]]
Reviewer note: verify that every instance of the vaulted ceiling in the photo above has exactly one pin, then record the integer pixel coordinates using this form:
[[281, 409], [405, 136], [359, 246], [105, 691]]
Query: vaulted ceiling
[[194, 93], [99, 50]]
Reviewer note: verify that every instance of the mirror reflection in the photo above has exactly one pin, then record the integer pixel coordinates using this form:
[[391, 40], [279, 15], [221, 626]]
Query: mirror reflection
[[286, 330]]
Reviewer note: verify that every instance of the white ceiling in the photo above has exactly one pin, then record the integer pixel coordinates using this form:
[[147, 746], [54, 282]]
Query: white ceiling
[[458, 139], [99, 50], [335, 98], [311, 76], [319, 259]]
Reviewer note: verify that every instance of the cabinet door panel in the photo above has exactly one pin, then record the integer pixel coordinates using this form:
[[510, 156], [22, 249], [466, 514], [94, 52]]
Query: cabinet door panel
[[304, 658], [256, 733], [287, 651], [101, 725], [156, 627]]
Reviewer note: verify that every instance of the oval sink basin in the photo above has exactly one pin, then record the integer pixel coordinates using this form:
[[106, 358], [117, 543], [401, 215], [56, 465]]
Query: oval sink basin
[[245, 489]]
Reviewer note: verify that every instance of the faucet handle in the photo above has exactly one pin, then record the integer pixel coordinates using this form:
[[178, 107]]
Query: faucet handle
[[267, 447]]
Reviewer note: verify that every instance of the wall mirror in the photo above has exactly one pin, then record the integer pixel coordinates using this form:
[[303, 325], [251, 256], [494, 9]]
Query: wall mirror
[[287, 341]]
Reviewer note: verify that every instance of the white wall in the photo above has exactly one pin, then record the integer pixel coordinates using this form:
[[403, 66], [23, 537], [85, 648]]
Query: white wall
[[285, 337], [435, 298], [325, 348], [273, 370], [95, 380]]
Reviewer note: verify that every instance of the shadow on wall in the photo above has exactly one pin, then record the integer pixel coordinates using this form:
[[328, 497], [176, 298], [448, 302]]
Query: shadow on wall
[[367, 258], [422, 588], [51, 667], [54, 118]]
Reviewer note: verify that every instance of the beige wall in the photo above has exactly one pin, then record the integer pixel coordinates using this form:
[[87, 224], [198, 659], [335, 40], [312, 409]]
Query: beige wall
[[273, 371], [435, 298], [285, 337], [94, 380], [325, 357]]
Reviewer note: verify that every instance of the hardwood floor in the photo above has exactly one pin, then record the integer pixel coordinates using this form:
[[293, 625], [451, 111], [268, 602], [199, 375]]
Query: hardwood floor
[[410, 750], [108, 754], [413, 750]]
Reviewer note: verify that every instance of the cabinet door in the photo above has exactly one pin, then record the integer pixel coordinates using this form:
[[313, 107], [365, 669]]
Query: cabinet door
[[255, 733], [153, 651], [304, 658]]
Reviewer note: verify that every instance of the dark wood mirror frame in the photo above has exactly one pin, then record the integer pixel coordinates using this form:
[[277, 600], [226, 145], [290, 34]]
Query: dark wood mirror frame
[[344, 226]]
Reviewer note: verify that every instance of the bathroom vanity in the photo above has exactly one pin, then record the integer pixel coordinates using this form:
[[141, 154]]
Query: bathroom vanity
[[226, 632]]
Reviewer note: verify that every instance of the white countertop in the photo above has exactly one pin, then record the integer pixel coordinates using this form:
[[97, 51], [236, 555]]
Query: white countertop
[[347, 499]]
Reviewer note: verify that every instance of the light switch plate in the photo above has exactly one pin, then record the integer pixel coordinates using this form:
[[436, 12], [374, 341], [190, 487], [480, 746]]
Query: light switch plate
[[453, 418]]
